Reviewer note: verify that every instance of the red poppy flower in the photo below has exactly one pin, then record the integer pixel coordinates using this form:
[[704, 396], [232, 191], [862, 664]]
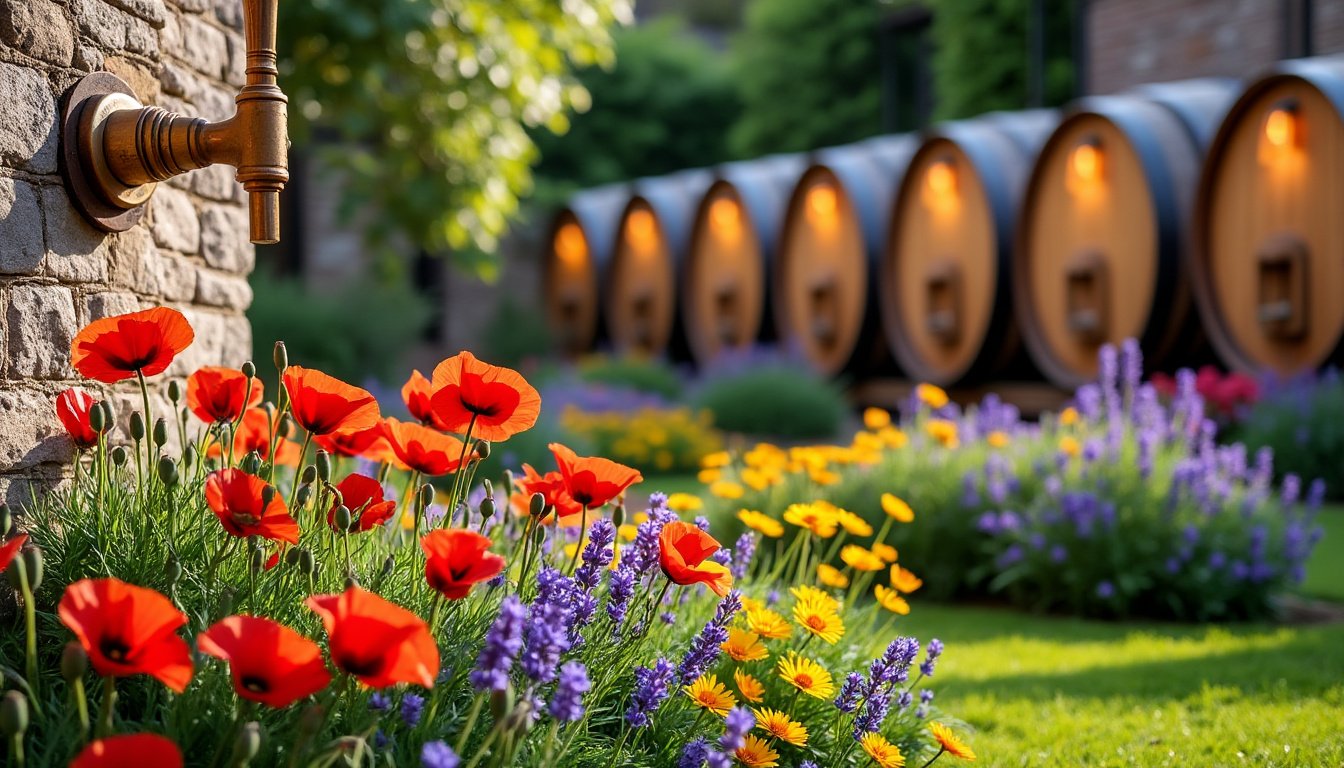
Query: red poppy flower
[[683, 552], [499, 401], [552, 487], [456, 559], [270, 663], [254, 434], [236, 499], [10, 549], [425, 449], [216, 394], [72, 408], [593, 481], [416, 393], [324, 404], [127, 630], [135, 750], [363, 496], [378, 642], [114, 348]]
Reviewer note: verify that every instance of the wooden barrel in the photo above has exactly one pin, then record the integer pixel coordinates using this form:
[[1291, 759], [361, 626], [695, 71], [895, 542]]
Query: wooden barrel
[[1268, 263], [944, 279], [640, 290], [579, 246], [1103, 238], [824, 277], [724, 292]]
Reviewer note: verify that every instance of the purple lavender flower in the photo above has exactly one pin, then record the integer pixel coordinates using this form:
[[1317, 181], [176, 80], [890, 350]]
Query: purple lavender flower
[[925, 696], [705, 647], [893, 666], [848, 698], [597, 554], [380, 739], [904, 701], [721, 556], [1105, 590], [567, 703], [437, 754], [694, 753], [642, 553], [667, 617], [736, 725], [412, 708], [1292, 489], [1058, 553], [702, 522], [503, 641], [772, 597], [931, 655], [921, 712], [620, 590], [380, 702], [873, 713], [743, 552], [651, 689], [546, 636]]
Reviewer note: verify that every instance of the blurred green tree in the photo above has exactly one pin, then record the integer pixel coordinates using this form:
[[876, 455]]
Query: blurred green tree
[[424, 104], [808, 71], [667, 105]]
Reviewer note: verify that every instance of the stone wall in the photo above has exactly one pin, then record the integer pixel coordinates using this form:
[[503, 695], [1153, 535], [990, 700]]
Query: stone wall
[[57, 273]]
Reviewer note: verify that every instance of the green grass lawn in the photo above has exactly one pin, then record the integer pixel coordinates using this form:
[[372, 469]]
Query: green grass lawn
[[1325, 572], [1058, 691]]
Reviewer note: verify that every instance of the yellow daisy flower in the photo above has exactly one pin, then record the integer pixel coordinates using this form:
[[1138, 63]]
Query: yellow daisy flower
[[861, 559], [758, 479], [832, 576], [997, 439], [887, 552], [742, 645], [944, 431], [1068, 417], [640, 517], [824, 476], [819, 619], [949, 743], [897, 509], [684, 502], [708, 693], [1069, 446], [891, 600], [747, 685], [876, 418], [814, 518], [883, 752], [893, 437], [627, 532], [708, 476], [903, 580], [806, 675], [806, 593], [853, 524], [769, 624], [726, 490], [715, 460], [761, 523], [756, 753], [931, 396], [779, 725], [751, 604]]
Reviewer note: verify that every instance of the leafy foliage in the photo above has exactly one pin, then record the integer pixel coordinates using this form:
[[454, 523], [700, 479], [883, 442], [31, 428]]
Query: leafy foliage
[[776, 401], [652, 377], [427, 102], [1302, 422]]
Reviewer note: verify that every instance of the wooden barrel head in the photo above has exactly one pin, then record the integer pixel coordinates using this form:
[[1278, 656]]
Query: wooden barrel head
[[641, 285], [578, 249], [723, 289], [821, 274], [1270, 223]]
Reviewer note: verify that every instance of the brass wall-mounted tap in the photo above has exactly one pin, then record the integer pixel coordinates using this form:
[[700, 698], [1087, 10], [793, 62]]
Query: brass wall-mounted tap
[[114, 150]]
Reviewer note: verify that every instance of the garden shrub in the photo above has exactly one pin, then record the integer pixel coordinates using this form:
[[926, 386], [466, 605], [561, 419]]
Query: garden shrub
[[649, 376], [1117, 506], [774, 399], [322, 608], [1302, 421], [655, 440]]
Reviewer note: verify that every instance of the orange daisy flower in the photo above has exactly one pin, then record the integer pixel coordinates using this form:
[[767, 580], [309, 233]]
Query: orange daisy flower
[[494, 403], [127, 630], [323, 404], [424, 449], [269, 662], [237, 499], [457, 559], [949, 743], [133, 750], [218, 394], [116, 348], [751, 689], [593, 481], [378, 642]]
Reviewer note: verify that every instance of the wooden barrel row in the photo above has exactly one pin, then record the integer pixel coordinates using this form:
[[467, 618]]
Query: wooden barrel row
[[1186, 215]]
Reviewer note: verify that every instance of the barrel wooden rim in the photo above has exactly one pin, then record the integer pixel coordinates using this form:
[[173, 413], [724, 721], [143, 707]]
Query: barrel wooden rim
[[1302, 72]]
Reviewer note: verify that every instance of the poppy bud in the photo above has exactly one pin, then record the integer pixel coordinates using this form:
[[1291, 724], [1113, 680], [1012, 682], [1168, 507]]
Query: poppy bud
[[388, 564], [137, 426], [508, 480], [501, 702], [342, 518], [302, 495], [17, 573], [267, 496], [323, 465], [246, 745], [489, 487], [13, 714], [309, 475], [536, 505], [618, 516], [539, 535], [257, 562], [74, 662], [286, 425], [118, 454], [33, 565], [248, 368], [6, 520], [280, 356], [96, 421], [109, 416], [483, 449], [306, 564], [189, 457], [426, 495], [173, 570], [168, 471], [487, 508], [174, 391], [251, 463], [160, 431], [292, 557], [269, 408]]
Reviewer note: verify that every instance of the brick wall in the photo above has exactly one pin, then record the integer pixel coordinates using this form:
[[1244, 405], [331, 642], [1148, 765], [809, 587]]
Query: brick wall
[[57, 273], [1142, 41]]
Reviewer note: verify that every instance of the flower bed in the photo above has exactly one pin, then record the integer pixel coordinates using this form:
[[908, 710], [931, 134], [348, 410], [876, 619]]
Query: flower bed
[[1120, 505], [247, 581]]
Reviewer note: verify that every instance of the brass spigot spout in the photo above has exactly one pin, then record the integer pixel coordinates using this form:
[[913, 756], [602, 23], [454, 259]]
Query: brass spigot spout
[[116, 150]]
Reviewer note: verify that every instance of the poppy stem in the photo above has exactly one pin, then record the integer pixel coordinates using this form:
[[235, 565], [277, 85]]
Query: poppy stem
[[298, 471], [105, 713], [81, 706], [30, 633], [149, 422], [458, 490], [471, 723], [583, 530]]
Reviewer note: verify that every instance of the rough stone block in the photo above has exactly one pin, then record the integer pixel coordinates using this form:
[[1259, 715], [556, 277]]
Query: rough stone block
[[139, 77], [76, 252], [224, 239], [108, 303], [230, 13], [217, 290], [174, 220], [177, 277], [106, 25], [20, 228], [152, 11], [215, 182], [38, 28], [87, 58], [40, 326], [29, 431], [134, 263], [29, 136], [204, 47]]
